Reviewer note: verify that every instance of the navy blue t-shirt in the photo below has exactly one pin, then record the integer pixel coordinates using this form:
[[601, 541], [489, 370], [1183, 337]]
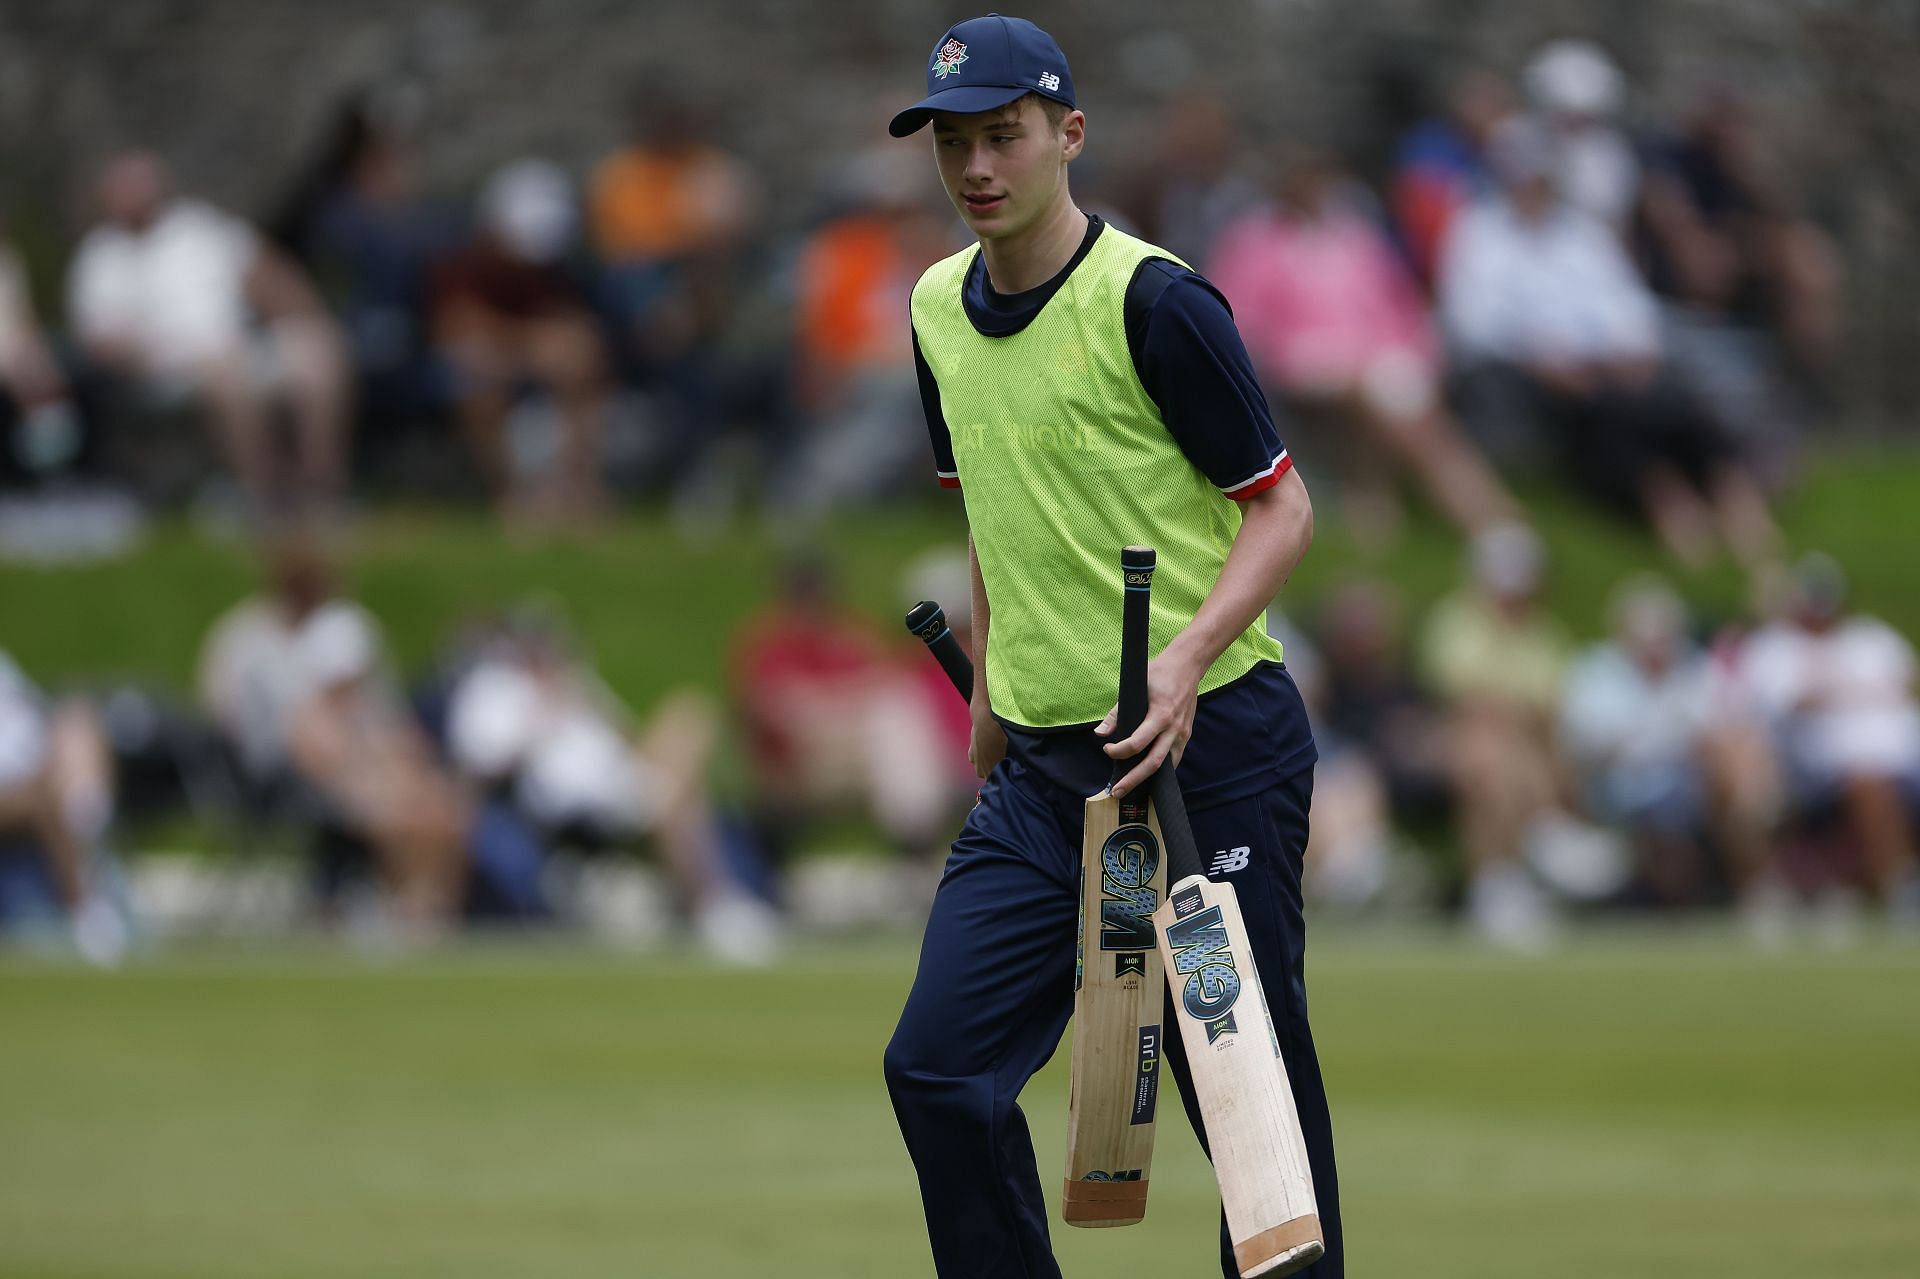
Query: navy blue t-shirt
[[1253, 732]]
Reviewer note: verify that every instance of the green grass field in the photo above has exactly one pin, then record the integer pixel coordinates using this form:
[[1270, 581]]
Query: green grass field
[[1643, 1104], [658, 612]]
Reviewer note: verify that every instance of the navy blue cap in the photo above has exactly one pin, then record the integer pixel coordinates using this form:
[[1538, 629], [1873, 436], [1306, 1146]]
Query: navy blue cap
[[984, 63]]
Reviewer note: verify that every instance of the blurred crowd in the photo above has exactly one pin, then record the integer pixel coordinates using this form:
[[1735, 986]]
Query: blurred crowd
[[1539, 278], [488, 786], [1472, 758], [1542, 281], [1768, 761]]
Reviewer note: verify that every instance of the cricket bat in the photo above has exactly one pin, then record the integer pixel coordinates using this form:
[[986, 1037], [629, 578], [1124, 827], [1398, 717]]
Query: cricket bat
[[1117, 1001], [1233, 1054]]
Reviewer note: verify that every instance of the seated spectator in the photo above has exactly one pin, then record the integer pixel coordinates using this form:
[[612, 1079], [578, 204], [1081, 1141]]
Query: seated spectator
[[670, 214], [1441, 167], [507, 314], [835, 722], [1642, 729], [1496, 658], [249, 678], [1350, 848], [1839, 692], [1576, 91], [295, 684], [1373, 701], [855, 378], [39, 429], [176, 301], [1540, 295], [354, 745], [56, 800], [1721, 238], [528, 718], [1332, 320], [357, 221]]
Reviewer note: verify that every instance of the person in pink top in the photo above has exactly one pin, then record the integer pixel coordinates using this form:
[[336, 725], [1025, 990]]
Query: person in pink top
[[1334, 321]]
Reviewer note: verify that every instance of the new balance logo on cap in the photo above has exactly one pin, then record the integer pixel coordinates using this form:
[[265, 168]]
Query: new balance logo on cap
[[1050, 82]]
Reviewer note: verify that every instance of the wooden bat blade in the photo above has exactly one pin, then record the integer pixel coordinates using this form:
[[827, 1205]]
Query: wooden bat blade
[[1239, 1078], [1117, 1005]]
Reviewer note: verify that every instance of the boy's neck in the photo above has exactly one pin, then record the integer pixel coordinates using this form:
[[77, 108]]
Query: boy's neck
[[1016, 264]]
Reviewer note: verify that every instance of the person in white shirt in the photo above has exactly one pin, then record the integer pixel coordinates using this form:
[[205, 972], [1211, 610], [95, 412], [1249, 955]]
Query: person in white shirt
[[530, 717], [1646, 728], [1540, 293], [182, 300], [1578, 92], [250, 678], [1839, 692], [296, 681]]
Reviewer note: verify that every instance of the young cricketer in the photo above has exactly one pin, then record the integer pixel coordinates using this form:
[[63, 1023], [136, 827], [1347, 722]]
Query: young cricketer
[[1085, 391]]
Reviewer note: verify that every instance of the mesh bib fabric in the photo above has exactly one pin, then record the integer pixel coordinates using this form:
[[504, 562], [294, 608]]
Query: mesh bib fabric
[[1063, 459]]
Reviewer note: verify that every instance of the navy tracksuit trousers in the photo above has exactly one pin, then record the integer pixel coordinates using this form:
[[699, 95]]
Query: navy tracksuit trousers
[[994, 992]]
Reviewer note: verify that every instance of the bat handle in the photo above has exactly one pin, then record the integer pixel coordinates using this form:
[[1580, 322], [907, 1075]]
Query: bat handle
[[1136, 573], [1136, 567], [929, 621], [1183, 855]]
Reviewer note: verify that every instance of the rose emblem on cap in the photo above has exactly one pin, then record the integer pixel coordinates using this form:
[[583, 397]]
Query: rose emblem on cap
[[947, 61]]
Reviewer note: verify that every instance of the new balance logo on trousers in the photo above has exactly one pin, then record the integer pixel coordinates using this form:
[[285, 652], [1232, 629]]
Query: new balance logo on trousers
[[1229, 860]]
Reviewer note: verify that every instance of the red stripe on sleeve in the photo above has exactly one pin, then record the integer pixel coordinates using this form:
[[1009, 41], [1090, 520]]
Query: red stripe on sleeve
[[1265, 482]]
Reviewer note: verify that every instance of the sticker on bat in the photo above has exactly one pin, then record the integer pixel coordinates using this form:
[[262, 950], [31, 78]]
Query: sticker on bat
[[1147, 1087], [1128, 1174], [1198, 940], [1128, 861]]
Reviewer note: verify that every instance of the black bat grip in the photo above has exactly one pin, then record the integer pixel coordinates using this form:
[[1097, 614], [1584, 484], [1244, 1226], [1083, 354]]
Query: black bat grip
[[1183, 855], [1136, 572], [929, 621]]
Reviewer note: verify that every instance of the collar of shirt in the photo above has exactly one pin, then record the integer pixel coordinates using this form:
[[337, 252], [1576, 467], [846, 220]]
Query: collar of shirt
[[997, 315]]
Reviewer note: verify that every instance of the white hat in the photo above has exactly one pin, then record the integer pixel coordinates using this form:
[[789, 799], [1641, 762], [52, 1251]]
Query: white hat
[[1574, 77], [529, 205]]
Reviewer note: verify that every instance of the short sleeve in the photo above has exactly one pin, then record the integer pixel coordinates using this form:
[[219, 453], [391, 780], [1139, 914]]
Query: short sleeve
[[944, 469], [1195, 368]]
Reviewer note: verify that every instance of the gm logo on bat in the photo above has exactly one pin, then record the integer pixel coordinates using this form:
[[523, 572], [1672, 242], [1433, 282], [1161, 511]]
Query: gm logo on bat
[[1128, 862], [1199, 944]]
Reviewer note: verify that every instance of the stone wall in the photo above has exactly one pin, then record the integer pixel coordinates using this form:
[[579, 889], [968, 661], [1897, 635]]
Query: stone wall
[[235, 92]]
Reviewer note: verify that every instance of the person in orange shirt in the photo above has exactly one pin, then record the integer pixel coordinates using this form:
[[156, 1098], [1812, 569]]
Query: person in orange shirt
[[854, 375], [670, 194], [669, 215]]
